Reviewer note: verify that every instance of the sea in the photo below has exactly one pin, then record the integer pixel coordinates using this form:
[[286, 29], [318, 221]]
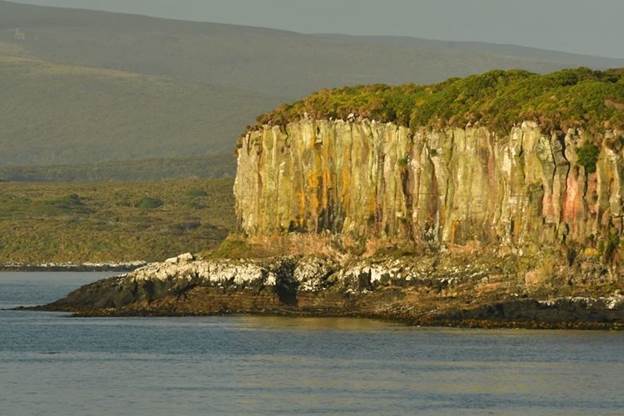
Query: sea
[[54, 364]]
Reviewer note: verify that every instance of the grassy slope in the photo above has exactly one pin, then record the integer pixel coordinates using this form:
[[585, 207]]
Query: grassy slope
[[270, 61], [60, 113], [498, 99], [112, 221], [207, 81]]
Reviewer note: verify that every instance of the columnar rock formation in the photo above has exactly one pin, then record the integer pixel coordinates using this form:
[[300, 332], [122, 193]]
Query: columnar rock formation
[[490, 224], [372, 180]]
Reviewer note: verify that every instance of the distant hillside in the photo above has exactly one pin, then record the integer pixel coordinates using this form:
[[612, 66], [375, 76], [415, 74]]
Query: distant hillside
[[270, 61], [60, 114], [219, 166], [84, 86]]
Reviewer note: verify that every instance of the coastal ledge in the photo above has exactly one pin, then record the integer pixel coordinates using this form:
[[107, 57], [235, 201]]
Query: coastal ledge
[[444, 290], [73, 267]]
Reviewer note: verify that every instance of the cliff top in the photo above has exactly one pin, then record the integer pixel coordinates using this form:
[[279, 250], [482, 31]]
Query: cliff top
[[581, 98]]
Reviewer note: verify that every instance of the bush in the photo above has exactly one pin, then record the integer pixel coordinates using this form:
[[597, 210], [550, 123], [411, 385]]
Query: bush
[[150, 203], [197, 193], [234, 247], [613, 243], [68, 202], [588, 156]]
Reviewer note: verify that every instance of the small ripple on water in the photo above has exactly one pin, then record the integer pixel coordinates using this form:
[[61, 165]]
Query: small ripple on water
[[54, 365]]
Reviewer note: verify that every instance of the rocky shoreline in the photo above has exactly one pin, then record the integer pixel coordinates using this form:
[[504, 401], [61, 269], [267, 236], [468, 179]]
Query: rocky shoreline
[[73, 267], [425, 291]]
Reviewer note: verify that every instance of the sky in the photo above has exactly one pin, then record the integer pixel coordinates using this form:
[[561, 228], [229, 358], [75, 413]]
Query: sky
[[592, 27]]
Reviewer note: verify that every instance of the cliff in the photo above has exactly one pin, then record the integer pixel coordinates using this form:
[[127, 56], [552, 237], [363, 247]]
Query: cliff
[[490, 201], [367, 180]]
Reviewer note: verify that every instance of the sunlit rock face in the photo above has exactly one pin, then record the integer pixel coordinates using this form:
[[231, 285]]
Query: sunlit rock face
[[369, 180], [461, 227]]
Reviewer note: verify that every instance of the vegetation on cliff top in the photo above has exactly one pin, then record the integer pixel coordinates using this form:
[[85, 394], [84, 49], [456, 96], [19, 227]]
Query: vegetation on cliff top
[[497, 99]]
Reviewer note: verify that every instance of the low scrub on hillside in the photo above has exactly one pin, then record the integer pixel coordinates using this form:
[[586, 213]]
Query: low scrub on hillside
[[497, 99], [105, 222], [220, 166]]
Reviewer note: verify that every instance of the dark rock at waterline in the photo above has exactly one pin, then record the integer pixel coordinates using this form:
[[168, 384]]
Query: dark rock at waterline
[[403, 290]]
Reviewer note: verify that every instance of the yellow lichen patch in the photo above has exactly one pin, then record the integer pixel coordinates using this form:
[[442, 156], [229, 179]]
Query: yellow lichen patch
[[591, 252], [326, 188]]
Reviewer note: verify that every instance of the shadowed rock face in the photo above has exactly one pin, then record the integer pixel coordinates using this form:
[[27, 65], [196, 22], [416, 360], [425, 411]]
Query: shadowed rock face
[[368, 180]]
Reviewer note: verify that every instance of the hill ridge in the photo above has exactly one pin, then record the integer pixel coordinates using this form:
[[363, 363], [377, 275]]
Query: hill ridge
[[220, 77]]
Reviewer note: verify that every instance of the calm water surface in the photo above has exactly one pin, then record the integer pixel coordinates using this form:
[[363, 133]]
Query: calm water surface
[[51, 364]]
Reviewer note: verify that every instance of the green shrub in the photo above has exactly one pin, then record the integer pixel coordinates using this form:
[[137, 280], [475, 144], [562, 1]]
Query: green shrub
[[197, 193], [232, 248], [613, 243], [588, 156], [68, 202], [150, 203], [197, 204]]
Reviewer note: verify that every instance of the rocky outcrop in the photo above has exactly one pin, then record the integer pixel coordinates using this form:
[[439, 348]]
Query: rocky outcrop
[[427, 289], [368, 180], [453, 226]]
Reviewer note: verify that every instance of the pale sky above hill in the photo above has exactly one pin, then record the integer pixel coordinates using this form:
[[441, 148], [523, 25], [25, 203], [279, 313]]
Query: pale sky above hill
[[584, 26]]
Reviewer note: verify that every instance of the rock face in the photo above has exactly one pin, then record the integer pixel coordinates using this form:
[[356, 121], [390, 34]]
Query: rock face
[[368, 180], [437, 227]]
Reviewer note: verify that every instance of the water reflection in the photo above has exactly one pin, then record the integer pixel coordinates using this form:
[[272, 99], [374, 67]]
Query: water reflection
[[314, 324]]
